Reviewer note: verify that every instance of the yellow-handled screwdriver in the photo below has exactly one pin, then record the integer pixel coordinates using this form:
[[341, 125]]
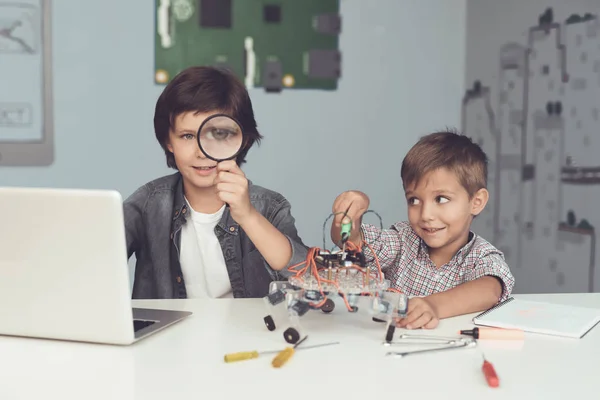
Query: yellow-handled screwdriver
[[286, 354], [248, 355]]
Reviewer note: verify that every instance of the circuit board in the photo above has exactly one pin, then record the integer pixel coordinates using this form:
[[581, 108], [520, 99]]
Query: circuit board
[[269, 44]]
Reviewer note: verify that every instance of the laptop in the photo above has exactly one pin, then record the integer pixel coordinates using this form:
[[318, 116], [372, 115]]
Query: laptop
[[64, 270]]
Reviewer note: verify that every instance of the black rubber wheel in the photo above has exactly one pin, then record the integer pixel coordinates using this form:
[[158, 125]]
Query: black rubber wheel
[[291, 335], [328, 307], [378, 320], [269, 323], [389, 336]]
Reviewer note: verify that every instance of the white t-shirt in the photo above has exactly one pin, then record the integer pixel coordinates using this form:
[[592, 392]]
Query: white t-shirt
[[201, 257]]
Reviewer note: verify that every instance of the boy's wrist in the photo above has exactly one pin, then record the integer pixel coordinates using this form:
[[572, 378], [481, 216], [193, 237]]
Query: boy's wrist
[[250, 218], [433, 304], [358, 236]]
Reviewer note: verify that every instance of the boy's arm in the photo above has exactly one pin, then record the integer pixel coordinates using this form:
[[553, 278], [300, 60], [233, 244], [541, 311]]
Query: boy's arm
[[276, 238], [473, 296], [488, 282], [133, 213]]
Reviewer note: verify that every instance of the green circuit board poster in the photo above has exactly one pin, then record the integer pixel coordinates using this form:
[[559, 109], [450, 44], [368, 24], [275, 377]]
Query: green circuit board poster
[[270, 44]]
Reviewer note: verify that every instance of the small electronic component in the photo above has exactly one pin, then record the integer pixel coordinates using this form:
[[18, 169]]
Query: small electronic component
[[276, 297], [300, 307], [324, 64], [329, 24]]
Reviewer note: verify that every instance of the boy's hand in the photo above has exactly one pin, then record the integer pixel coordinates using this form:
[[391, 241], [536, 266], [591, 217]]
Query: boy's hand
[[359, 204], [421, 314], [232, 187]]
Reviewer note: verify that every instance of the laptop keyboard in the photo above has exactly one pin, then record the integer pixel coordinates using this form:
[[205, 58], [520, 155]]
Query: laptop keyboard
[[141, 324]]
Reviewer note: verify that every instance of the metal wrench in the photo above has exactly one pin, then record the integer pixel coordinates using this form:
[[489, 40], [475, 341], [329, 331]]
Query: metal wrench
[[464, 343], [429, 339]]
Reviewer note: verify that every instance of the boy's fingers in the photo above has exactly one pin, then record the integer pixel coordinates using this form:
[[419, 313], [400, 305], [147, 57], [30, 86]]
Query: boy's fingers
[[227, 176], [432, 324], [227, 197], [414, 312], [339, 211], [230, 166], [419, 322], [227, 187], [410, 316], [340, 200]]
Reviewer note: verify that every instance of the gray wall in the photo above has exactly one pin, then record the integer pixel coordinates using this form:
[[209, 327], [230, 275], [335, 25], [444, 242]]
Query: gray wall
[[403, 69], [536, 151]]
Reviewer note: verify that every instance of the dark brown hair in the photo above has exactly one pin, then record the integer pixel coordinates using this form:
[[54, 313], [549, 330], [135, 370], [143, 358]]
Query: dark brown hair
[[450, 150], [205, 89]]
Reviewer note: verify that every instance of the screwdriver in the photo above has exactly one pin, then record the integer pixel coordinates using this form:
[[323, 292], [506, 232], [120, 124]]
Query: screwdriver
[[248, 355], [346, 227], [287, 353], [490, 373]]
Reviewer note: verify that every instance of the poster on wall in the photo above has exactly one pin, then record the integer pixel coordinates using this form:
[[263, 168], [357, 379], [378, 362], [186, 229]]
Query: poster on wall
[[273, 45], [538, 120], [26, 126]]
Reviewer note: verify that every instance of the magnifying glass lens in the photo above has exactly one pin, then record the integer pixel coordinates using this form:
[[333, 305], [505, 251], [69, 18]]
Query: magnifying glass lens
[[220, 138]]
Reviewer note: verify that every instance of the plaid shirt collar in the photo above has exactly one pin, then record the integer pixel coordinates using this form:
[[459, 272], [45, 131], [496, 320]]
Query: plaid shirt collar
[[458, 257]]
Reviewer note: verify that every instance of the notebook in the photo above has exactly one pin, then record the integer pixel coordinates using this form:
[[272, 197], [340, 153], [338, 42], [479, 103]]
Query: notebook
[[540, 317]]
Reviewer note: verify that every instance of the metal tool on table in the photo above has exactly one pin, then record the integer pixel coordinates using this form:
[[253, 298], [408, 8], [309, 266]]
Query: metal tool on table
[[285, 355], [249, 355], [406, 339], [459, 344], [441, 343], [490, 373]]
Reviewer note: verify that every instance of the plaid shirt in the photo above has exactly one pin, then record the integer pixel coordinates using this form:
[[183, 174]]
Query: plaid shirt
[[405, 261]]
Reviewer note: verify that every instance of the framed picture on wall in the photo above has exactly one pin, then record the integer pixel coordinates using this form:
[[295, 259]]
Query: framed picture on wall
[[26, 117]]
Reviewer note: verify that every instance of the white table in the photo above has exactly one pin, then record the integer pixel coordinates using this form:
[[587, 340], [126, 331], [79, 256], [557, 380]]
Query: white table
[[186, 361]]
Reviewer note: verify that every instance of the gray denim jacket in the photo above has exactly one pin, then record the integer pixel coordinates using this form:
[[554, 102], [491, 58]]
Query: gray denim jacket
[[154, 215]]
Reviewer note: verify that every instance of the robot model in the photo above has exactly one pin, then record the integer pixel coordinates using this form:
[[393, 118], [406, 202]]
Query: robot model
[[324, 274]]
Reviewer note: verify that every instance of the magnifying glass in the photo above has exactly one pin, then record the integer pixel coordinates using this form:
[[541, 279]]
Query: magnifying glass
[[220, 137]]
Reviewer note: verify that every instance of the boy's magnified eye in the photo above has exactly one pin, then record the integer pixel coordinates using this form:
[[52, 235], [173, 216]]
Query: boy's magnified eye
[[220, 133]]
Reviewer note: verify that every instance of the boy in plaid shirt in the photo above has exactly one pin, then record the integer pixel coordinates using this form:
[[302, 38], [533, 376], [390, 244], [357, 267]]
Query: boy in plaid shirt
[[435, 257]]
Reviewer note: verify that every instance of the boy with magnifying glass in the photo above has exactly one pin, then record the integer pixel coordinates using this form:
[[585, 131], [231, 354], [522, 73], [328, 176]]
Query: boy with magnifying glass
[[206, 231]]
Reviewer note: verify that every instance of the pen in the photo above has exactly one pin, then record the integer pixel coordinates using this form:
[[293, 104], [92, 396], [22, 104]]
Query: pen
[[493, 333], [490, 373]]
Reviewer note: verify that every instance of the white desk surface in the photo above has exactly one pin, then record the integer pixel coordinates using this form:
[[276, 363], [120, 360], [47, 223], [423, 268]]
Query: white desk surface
[[185, 361]]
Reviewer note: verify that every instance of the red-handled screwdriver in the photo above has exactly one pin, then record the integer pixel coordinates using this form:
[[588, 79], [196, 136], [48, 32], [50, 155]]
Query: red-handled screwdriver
[[490, 373]]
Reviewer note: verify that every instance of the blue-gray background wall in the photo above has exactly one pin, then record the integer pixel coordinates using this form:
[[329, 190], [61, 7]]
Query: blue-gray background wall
[[403, 69], [545, 223]]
